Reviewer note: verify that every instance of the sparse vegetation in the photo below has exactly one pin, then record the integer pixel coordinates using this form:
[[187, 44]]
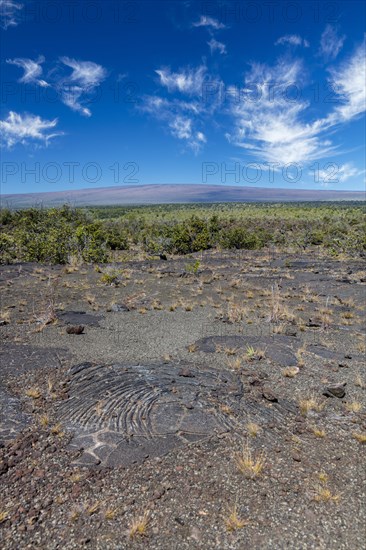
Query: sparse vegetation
[[360, 437], [249, 463], [310, 404], [235, 363], [233, 521], [290, 372], [4, 514], [139, 526], [252, 429], [353, 406], [253, 354], [93, 508], [318, 432], [162, 391], [74, 235], [324, 494], [34, 393], [110, 513]]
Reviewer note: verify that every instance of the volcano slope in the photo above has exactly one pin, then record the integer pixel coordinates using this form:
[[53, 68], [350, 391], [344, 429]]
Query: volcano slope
[[211, 401]]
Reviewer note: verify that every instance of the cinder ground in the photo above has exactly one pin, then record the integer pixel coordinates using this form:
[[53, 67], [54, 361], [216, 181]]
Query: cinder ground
[[202, 404]]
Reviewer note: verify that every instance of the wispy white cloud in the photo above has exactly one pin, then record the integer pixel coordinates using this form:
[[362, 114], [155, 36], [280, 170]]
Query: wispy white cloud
[[272, 128], [215, 45], [263, 119], [334, 173], [85, 73], [9, 13], [293, 40], [180, 117], [347, 171], [152, 103], [32, 70], [211, 22], [76, 87], [331, 43], [71, 97], [26, 129], [184, 118], [349, 82], [181, 127], [189, 81]]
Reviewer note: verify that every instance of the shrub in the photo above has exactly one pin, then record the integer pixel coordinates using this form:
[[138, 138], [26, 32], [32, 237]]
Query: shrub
[[191, 236], [7, 248], [240, 238]]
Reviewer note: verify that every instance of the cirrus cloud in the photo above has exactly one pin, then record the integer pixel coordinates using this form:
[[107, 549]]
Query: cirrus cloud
[[27, 129], [331, 43], [293, 40], [181, 118], [215, 45], [32, 70], [276, 130], [76, 87], [9, 13], [189, 81], [210, 22]]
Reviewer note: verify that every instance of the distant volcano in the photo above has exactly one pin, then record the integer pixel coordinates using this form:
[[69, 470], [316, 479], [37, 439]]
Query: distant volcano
[[173, 193]]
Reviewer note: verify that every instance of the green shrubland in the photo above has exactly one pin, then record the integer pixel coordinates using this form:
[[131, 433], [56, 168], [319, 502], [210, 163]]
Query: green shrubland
[[57, 235]]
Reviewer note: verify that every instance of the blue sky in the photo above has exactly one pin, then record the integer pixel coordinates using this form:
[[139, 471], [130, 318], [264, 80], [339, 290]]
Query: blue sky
[[110, 92]]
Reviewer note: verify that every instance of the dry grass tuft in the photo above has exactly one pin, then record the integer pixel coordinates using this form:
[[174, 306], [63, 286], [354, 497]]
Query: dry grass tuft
[[324, 494], [318, 432], [230, 351], [322, 491], [57, 430], [249, 464], [360, 382], [34, 393], [110, 513], [300, 356], [290, 372], [233, 522], [139, 526], [74, 515], [361, 346], [5, 317], [278, 310], [94, 508], [75, 478], [353, 406], [253, 354], [3, 516], [236, 313], [323, 477], [235, 364], [44, 420], [253, 429], [226, 409], [360, 437], [310, 404]]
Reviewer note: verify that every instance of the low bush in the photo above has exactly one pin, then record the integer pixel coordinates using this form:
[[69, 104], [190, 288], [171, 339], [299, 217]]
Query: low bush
[[56, 235]]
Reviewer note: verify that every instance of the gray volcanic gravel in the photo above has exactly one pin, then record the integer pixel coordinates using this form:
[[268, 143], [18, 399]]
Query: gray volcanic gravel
[[222, 409]]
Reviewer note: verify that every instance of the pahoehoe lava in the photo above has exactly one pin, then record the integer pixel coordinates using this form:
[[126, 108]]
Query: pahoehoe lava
[[122, 414]]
